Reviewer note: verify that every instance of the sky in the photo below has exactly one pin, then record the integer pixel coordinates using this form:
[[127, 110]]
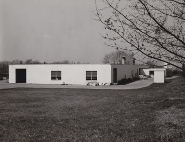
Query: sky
[[51, 30]]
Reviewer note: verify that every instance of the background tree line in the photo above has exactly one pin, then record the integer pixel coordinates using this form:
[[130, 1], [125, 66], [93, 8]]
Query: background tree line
[[4, 64]]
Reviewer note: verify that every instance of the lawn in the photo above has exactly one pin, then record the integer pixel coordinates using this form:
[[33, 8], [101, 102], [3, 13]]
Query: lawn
[[154, 113]]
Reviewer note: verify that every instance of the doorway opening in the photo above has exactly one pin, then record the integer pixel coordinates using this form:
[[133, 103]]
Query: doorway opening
[[20, 75], [114, 75]]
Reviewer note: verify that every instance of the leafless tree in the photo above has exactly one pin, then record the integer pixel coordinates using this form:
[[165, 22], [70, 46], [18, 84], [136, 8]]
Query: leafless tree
[[16, 61], [62, 62], [152, 64], [30, 61], [116, 57], [152, 29]]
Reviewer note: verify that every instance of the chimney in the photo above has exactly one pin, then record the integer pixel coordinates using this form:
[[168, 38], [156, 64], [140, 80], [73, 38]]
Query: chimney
[[134, 61], [165, 65], [123, 60]]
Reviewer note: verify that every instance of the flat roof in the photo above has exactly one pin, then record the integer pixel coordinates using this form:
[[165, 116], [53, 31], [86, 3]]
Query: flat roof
[[128, 64], [76, 64], [58, 64], [156, 69]]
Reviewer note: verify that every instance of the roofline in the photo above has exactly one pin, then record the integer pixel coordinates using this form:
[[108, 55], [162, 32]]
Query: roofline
[[156, 69], [74, 64], [130, 65], [56, 64]]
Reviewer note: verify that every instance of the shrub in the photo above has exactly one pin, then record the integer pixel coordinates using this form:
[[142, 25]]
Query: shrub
[[126, 81], [169, 73], [136, 78], [122, 81]]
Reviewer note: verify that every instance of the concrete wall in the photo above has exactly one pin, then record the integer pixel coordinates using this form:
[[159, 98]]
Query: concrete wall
[[70, 73], [159, 75], [128, 71]]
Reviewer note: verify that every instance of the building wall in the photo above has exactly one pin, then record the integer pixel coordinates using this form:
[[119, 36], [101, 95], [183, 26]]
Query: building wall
[[159, 76], [146, 71], [126, 71], [70, 73]]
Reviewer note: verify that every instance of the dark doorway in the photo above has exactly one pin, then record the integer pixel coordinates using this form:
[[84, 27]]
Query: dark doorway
[[20, 75], [114, 75]]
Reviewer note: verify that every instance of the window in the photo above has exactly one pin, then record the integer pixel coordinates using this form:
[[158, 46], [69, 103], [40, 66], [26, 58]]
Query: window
[[91, 75], [55, 75], [151, 73]]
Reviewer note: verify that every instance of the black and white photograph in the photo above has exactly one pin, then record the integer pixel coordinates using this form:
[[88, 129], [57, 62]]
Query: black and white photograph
[[92, 70]]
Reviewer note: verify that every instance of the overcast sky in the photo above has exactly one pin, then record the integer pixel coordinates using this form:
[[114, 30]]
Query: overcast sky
[[50, 30]]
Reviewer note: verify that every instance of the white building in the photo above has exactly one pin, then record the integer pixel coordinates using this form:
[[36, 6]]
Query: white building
[[157, 73], [72, 73]]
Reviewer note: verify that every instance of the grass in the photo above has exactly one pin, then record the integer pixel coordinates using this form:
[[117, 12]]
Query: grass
[[154, 113]]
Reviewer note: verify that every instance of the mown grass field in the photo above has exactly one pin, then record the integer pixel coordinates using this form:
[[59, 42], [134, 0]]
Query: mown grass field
[[154, 113]]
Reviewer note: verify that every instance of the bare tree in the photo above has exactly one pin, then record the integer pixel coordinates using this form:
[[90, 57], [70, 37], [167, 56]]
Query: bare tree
[[36, 62], [4, 66], [62, 62], [152, 29], [152, 64], [16, 61], [30, 61], [65, 62], [116, 57]]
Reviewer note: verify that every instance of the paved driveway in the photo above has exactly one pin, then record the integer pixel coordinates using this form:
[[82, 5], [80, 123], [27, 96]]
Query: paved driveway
[[133, 85]]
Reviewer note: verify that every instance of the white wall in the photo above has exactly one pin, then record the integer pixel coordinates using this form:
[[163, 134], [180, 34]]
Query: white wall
[[146, 72], [127, 70], [70, 73], [159, 76]]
